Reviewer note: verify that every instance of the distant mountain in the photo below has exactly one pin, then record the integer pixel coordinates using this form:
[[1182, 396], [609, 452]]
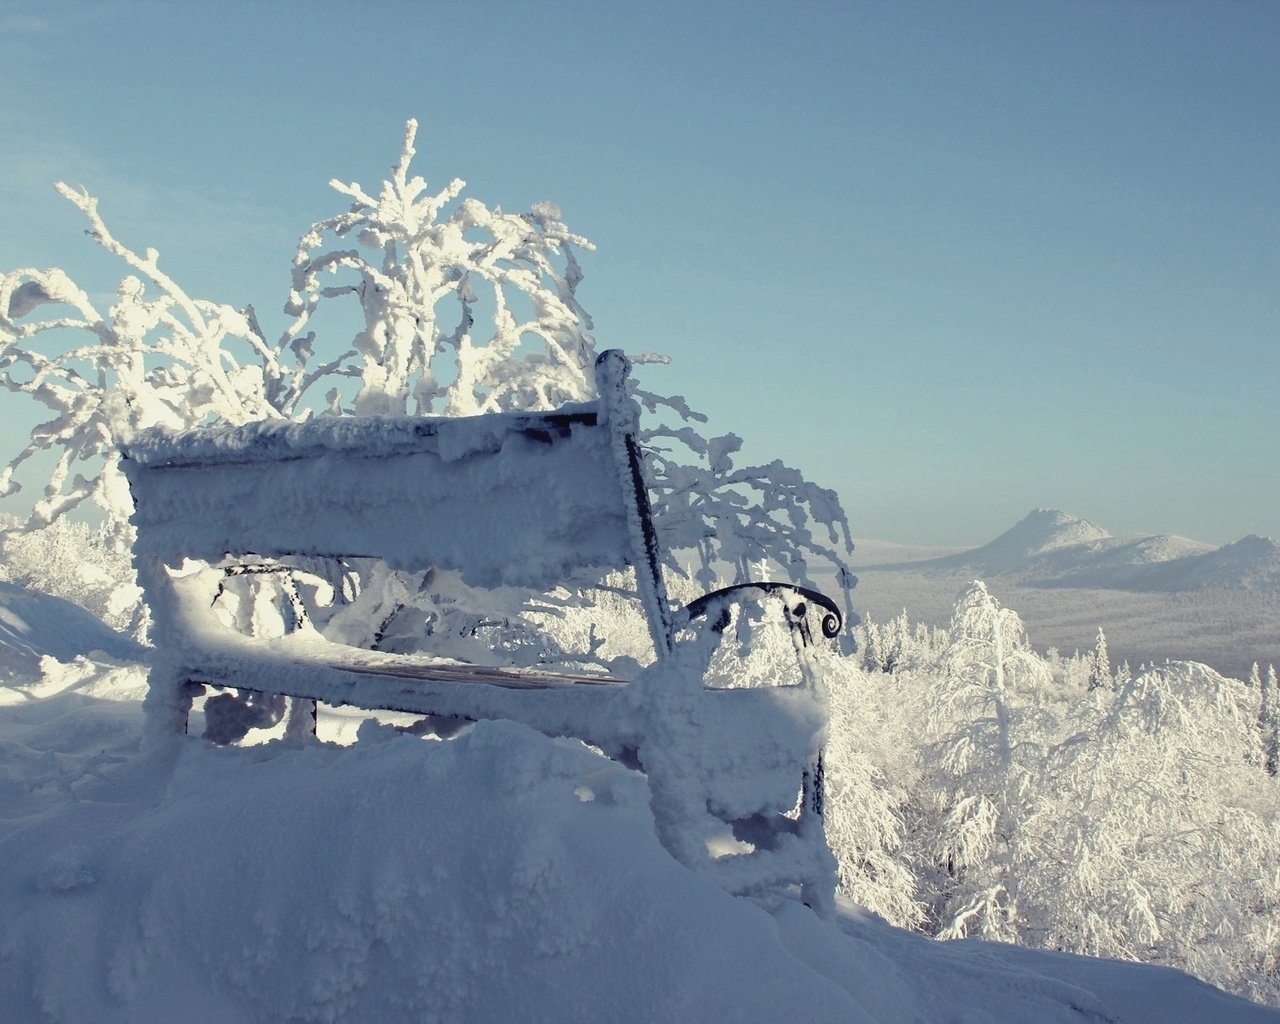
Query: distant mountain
[[1051, 548], [1251, 563], [1044, 535]]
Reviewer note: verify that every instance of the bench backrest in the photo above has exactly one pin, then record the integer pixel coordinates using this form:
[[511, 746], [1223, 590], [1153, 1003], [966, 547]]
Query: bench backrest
[[522, 499]]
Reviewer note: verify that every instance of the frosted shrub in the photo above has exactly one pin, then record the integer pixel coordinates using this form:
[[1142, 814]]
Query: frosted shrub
[[418, 263], [1167, 835], [734, 519], [986, 760], [75, 561], [1138, 822], [866, 798]]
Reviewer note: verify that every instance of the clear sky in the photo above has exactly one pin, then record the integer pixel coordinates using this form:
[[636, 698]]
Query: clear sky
[[955, 260]]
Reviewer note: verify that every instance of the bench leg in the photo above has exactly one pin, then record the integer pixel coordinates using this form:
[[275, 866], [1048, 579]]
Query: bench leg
[[300, 725], [168, 701], [819, 889]]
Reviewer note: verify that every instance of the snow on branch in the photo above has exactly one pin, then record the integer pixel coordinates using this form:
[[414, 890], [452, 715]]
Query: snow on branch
[[421, 267], [735, 519], [147, 361]]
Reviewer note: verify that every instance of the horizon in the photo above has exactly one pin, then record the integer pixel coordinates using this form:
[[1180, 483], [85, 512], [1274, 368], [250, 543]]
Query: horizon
[[952, 261], [1110, 534]]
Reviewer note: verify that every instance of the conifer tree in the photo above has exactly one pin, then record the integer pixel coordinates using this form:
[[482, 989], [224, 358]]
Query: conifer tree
[[1269, 721], [1100, 665]]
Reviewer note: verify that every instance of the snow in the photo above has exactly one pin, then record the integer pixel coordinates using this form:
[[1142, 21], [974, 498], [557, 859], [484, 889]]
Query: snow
[[498, 875], [506, 507], [33, 625]]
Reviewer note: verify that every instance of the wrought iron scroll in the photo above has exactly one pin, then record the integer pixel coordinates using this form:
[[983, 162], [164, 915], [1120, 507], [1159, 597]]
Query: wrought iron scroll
[[797, 600]]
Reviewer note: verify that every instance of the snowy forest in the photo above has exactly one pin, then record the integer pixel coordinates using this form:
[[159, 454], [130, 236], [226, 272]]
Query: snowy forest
[[976, 787]]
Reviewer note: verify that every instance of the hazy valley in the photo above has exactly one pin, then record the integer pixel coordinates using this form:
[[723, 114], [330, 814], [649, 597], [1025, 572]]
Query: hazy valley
[[1155, 597]]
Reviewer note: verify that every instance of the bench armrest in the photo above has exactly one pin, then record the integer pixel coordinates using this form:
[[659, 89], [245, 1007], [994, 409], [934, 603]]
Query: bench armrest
[[798, 602]]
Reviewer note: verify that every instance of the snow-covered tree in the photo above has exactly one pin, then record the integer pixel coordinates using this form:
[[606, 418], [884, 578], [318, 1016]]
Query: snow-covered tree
[[72, 560], [865, 818], [736, 518], [991, 734], [1160, 849], [1269, 720], [1100, 677], [418, 263], [157, 356]]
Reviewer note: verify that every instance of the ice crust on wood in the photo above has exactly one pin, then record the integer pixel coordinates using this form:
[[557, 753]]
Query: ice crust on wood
[[507, 508]]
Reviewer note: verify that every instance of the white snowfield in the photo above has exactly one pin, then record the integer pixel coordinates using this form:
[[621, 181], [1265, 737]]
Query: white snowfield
[[500, 875]]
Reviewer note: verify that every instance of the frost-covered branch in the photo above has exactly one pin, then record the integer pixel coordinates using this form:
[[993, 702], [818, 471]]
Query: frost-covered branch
[[414, 251], [152, 360], [735, 519]]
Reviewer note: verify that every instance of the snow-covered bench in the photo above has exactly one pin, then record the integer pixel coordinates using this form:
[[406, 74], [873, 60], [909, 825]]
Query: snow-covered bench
[[502, 499]]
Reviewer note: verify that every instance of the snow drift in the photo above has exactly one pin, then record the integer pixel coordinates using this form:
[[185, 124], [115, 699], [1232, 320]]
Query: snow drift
[[499, 875]]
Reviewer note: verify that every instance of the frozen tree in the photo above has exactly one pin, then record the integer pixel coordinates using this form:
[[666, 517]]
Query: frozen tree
[[985, 766], [871, 646], [1269, 720], [1158, 850], [896, 646], [736, 518], [988, 661], [72, 560], [419, 263], [870, 762], [1100, 677]]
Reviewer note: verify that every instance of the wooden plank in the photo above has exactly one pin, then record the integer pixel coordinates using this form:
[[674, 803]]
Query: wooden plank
[[495, 675]]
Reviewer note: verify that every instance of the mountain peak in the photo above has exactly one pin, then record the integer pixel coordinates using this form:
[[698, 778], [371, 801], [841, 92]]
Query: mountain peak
[[1046, 529], [1254, 544]]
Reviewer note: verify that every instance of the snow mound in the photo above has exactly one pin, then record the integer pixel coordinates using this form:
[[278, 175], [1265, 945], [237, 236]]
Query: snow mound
[[500, 875], [63, 729], [512, 878], [33, 625]]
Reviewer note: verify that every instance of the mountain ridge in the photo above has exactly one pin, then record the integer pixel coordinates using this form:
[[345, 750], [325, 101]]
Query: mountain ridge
[[1052, 548]]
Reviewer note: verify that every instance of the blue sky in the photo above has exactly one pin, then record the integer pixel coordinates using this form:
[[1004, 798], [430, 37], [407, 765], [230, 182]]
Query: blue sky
[[955, 260]]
